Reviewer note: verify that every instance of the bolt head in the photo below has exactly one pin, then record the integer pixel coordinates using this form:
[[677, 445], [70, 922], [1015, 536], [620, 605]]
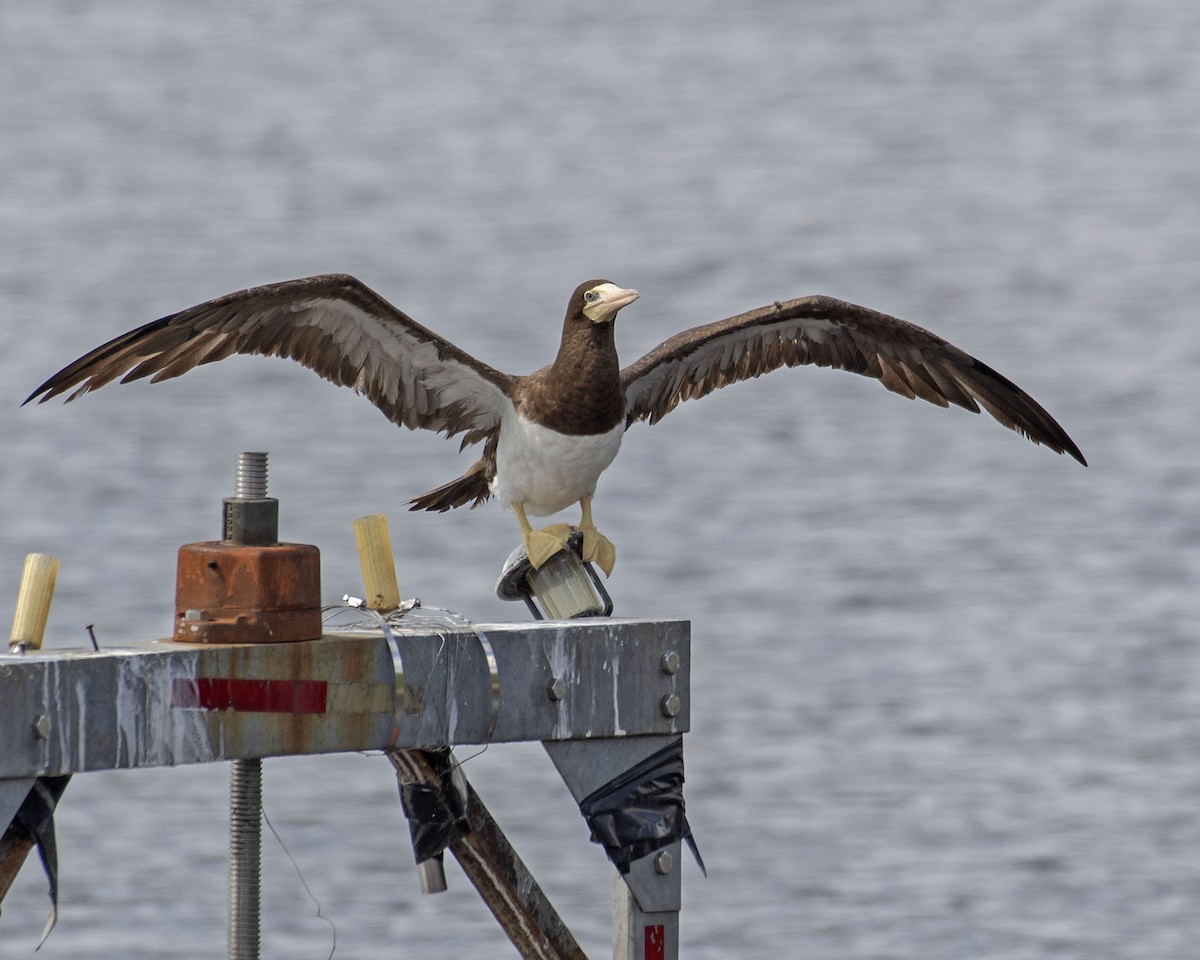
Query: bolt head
[[670, 705], [663, 862], [557, 689], [41, 727], [670, 663]]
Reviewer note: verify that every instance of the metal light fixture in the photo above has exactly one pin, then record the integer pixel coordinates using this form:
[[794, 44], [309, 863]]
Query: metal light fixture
[[565, 586]]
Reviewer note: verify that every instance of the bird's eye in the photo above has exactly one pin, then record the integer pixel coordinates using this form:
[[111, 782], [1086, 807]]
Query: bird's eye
[[591, 296]]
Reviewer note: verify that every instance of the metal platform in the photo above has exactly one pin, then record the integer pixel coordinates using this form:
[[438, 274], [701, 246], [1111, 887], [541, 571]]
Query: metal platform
[[601, 694]]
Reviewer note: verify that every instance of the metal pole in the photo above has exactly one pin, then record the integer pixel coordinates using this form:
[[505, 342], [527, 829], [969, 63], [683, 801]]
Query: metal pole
[[245, 855], [646, 908], [245, 788]]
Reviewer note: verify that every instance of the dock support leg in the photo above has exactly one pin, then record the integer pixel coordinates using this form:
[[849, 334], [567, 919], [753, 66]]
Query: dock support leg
[[646, 908], [646, 900]]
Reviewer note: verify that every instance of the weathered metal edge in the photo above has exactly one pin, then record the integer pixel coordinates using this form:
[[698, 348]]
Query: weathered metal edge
[[162, 703]]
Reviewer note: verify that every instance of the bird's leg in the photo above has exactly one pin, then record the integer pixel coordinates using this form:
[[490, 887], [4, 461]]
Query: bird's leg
[[540, 545], [597, 548]]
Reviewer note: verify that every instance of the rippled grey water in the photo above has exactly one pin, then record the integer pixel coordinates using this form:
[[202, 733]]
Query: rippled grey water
[[946, 693]]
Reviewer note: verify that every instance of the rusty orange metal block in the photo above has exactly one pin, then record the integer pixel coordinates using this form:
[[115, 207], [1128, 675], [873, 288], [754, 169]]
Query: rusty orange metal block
[[231, 593]]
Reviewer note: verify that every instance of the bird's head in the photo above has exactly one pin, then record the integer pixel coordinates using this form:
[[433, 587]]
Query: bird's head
[[599, 300]]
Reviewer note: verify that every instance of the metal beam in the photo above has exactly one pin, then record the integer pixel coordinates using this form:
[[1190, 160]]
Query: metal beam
[[165, 703]]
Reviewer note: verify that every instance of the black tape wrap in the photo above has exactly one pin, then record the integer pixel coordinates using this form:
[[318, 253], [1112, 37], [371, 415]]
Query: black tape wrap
[[34, 821], [641, 810], [437, 814]]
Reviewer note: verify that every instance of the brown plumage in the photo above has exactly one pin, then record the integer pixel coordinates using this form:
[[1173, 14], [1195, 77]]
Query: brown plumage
[[818, 330], [346, 333], [473, 487]]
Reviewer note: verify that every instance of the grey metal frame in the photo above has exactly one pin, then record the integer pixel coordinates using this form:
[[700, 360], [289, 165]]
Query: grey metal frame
[[601, 694]]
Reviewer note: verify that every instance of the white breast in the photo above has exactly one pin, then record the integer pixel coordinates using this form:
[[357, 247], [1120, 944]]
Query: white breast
[[549, 471]]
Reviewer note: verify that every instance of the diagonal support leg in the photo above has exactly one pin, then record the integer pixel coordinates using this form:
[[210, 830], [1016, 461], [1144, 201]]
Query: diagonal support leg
[[497, 872]]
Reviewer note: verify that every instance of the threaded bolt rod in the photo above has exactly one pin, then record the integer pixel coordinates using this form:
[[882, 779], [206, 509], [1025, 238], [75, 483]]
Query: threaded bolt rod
[[250, 483], [245, 788], [245, 858]]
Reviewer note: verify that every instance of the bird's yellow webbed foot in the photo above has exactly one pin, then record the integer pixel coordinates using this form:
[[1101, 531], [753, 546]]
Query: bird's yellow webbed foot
[[541, 545], [597, 548], [560, 531]]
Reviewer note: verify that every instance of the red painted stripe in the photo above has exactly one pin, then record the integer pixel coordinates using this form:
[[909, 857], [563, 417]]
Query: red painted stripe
[[655, 942], [250, 696]]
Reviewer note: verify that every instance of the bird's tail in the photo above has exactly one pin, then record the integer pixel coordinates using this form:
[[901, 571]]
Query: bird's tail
[[472, 487]]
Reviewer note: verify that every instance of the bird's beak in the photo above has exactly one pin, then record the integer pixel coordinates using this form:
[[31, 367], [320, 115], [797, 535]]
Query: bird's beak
[[621, 298], [612, 299]]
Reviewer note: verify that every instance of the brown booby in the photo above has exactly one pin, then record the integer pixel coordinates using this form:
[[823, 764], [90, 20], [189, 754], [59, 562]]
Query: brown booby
[[549, 435]]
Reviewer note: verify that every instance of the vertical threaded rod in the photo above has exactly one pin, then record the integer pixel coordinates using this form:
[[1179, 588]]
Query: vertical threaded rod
[[250, 482], [245, 857], [245, 787]]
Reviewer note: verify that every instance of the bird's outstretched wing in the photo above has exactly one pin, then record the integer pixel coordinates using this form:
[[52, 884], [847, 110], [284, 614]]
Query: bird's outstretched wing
[[337, 327], [831, 333]]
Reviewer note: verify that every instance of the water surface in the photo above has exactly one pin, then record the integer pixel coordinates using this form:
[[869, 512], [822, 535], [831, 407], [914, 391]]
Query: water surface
[[946, 701]]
